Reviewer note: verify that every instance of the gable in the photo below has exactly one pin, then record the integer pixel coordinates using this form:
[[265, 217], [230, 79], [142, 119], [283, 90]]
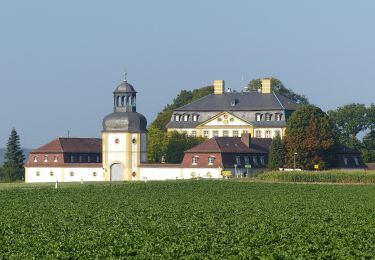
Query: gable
[[224, 119]]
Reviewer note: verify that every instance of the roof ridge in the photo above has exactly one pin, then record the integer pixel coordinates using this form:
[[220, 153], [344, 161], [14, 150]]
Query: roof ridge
[[194, 101], [278, 99]]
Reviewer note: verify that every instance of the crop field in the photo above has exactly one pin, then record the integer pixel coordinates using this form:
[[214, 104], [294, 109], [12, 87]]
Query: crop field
[[187, 219]]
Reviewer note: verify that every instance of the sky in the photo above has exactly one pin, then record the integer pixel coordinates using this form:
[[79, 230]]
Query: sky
[[61, 60]]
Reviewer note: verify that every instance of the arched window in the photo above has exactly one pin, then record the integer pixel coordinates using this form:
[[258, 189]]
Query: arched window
[[133, 101], [123, 101], [118, 101], [268, 117], [258, 116]]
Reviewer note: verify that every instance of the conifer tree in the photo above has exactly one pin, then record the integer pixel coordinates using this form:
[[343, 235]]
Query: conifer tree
[[14, 158], [276, 154]]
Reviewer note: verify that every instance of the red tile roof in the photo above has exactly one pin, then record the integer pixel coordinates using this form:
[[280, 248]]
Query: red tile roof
[[71, 145], [232, 145]]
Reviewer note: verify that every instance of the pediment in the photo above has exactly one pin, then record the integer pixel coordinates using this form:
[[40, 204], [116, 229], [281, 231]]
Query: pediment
[[224, 119]]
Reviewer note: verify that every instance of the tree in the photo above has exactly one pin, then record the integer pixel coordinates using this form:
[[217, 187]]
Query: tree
[[14, 157], [371, 117], [278, 87], [368, 147], [156, 147], [276, 154], [350, 120], [312, 135], [177, 143], [185, 97]]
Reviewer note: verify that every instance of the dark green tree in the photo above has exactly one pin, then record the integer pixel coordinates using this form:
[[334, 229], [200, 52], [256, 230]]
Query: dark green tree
[[176, 143], [350, 120], [156, 144], [276, 154], [371, 117], [185, 97], [312, 135], [278, 87], [14, 158], [368, 147], [1, 173]]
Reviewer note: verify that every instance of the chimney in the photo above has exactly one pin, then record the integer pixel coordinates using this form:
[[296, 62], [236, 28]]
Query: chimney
[[266, 86], [219, 86], [246, 139]]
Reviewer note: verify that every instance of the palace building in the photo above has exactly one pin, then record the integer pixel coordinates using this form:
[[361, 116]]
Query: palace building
[[227, 119], [226, 113]]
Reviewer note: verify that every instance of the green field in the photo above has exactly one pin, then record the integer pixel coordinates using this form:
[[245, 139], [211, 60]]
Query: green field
[[193, 219]]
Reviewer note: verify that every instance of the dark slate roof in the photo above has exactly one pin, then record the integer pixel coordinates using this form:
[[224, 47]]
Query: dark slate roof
[[232, 145], [71, 145], [246, 101], [183, 124]]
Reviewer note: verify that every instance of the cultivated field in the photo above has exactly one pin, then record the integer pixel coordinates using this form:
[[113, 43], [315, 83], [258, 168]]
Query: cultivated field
[[214, 219]]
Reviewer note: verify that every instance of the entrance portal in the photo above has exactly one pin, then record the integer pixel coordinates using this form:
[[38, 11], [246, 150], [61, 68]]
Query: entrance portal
[[117, 172]]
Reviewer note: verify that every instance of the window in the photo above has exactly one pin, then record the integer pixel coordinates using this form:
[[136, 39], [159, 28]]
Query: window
[[268, 134], [195, 117], [45, 158], [186, 117], [71, 174], [80, 158], [194, 160], [255, 160], [215, 133], [356, 160], [211, 160], [35, 158], [258, 133], [258, 117], [278, 117], [55, 158], [97, 158], [238, 160], [205, 134], [176, 117], [262, 160], [225, 133], [268, 117], [246, 158], [193, 133], [244, 131], [72, 158], [94, 174], [51, 173], [219, 119], [89, 159], [345, 161], [235, 133], [37, 173]]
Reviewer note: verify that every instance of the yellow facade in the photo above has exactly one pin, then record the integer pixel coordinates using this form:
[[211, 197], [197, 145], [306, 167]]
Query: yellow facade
[[219, 85]]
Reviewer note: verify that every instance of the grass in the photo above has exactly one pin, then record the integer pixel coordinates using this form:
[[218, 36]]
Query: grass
[[332, 176], [190, 219]]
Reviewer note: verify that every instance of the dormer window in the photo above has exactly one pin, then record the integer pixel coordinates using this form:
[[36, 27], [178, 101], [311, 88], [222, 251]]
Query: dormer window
[[278, 117], [55, 158], [211, 160], [35, 158], [45, 158], [195, 117], [176, 117], [258, 117], [186, 117], [194, 160], [268, 117]]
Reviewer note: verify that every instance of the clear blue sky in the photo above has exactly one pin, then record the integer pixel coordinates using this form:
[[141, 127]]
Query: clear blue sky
[[61, 60]]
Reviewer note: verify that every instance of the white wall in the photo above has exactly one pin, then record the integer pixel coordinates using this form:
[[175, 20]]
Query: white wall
[[63, 174], [178, 173]]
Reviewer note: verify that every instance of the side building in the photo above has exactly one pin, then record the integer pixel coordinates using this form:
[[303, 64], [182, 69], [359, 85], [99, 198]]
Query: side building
[[66, 160], [262, 114]]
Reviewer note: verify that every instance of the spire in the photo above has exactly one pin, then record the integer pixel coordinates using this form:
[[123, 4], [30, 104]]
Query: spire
[[126, 74]]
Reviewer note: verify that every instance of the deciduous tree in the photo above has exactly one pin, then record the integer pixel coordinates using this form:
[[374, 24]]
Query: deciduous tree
[[350, 120], [14, 158], [278, 87], [312, 135]]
